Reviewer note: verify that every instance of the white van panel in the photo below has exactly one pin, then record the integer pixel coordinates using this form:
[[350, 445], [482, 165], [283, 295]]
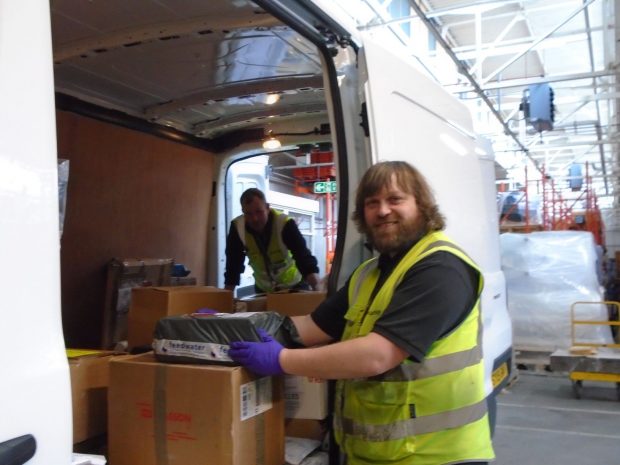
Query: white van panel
[[497, 335], [413, 119], [35, 388]]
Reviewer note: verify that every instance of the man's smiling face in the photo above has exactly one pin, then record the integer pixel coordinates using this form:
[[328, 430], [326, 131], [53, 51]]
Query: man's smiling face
[[392, 218]]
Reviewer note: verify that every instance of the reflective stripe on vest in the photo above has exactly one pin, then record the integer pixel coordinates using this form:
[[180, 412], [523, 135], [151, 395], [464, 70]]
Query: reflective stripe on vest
[[278, 269], [415, 426], [432, 367]]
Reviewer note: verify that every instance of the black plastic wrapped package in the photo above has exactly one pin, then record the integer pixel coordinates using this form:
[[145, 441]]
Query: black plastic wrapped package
[[206, 338]]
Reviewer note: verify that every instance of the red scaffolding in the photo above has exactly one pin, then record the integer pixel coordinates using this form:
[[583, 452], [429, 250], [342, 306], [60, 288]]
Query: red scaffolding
[[559, 212]]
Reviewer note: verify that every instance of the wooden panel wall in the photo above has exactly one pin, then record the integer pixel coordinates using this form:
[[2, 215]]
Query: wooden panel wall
[[130, 195]]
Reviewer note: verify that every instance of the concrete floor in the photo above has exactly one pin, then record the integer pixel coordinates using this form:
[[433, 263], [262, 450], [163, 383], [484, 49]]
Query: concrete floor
[[540, 422]]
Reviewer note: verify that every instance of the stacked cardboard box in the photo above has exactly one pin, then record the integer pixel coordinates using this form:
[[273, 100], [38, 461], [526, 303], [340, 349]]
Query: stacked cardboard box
[[149, 304], [89, 371], [294, 303], [193, 414], [251, 303]]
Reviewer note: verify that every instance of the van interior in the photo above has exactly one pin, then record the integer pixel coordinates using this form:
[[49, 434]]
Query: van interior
[[162, 106]]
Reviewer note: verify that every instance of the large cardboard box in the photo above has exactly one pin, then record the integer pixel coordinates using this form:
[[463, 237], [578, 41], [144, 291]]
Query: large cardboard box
[[150, 304], [192, 414], [89, 372], [295, 303]]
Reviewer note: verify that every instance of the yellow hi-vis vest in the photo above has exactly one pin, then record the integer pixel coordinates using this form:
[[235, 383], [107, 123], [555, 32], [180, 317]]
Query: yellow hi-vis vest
[[427, 413], [277, 270]]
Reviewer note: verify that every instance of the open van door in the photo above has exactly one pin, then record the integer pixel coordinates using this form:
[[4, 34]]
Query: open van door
[[35, 399], [410, 117]]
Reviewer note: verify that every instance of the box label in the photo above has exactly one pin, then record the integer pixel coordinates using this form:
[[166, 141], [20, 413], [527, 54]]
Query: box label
[[198, 350], [256, 397]]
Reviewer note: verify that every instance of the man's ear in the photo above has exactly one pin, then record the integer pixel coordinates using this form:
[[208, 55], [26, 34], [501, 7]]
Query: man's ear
[[267, 205]]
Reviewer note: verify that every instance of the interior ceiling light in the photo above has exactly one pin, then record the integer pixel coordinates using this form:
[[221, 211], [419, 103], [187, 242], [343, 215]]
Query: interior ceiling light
[[270, 99], [271, 143]]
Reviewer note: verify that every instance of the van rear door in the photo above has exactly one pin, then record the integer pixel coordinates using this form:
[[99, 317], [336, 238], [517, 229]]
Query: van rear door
[[35, 400]]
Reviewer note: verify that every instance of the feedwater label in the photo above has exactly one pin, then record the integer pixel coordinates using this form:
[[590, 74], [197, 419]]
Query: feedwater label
[[256, 397], [198, 350]]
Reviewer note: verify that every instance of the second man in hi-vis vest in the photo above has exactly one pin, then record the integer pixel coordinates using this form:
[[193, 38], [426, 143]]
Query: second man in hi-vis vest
[[275, 248], [403, 337]]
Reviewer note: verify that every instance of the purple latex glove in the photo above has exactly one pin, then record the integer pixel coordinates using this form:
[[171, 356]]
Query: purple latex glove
[[206, 311], [262, 358]]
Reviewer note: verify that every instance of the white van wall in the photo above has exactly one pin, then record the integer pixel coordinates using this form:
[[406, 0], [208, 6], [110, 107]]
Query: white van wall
[[35, 390]]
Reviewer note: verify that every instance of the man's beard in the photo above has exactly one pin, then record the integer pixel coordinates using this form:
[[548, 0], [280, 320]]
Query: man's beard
[[398, 239]]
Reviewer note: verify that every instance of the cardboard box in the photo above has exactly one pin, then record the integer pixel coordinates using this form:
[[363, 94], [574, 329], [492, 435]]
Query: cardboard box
[[305, 398], [192, 414], [89, 372], [294, 303], [253, 303], [149, 304]]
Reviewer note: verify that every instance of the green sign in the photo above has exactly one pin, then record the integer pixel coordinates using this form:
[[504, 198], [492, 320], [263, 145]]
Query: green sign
[[323, 187]]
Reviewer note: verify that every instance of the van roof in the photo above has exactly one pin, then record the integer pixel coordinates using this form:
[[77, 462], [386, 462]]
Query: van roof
[[208, 69]]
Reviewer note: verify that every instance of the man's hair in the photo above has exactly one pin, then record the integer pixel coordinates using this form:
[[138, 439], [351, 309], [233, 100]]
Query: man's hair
[[409, 180], [249, 194]]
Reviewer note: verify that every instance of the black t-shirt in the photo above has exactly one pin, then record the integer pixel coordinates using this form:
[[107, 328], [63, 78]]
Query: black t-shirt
[[433, 298]]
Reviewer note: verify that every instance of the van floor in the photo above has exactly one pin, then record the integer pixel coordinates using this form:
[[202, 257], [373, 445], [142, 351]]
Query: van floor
[[540, 421]]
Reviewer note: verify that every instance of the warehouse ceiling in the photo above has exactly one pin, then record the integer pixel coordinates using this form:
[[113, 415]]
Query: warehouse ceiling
[[498, 49]]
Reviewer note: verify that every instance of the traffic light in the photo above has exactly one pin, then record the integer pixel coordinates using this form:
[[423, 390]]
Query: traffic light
[[538, 106]]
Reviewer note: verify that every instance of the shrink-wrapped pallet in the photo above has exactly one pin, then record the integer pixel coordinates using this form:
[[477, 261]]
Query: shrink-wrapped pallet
[[546, 273]]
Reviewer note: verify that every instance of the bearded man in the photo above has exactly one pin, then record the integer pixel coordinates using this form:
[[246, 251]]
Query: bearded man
[[402, 337]]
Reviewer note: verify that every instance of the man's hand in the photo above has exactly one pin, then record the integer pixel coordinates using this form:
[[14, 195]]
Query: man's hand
[[262, 358], [314, 281]]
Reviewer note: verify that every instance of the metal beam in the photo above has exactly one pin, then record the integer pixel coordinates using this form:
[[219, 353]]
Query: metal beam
[[573, 144], [536, 42], [459, 88], [599, 134], [463, 69], [509, 47], [554, 7], [467, 7], [506, 46], [486, 52]]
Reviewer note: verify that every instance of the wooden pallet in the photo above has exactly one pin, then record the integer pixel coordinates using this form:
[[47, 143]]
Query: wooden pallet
[[533, 359], [516, 227]]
